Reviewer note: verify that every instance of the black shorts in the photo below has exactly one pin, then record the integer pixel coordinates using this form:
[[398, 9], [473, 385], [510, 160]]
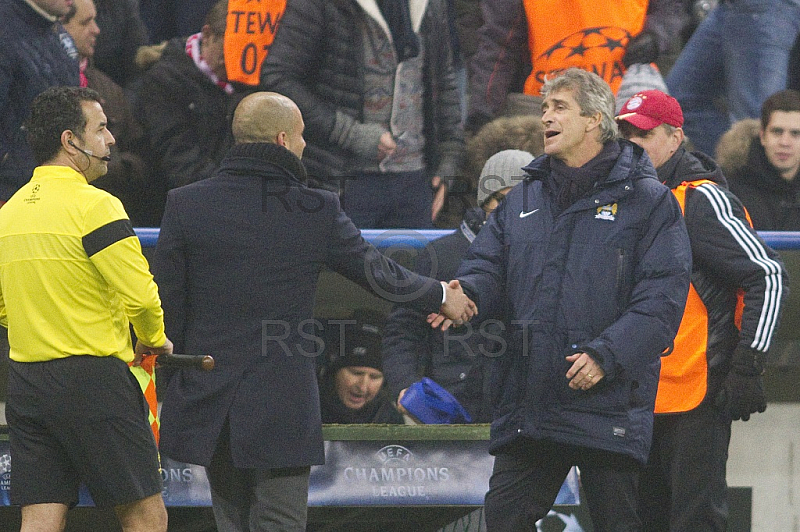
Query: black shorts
[[79, 419]]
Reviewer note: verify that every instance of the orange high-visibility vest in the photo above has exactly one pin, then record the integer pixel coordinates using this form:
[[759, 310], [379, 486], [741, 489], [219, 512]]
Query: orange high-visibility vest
[[249, 32], [683, 382], [583, 34]]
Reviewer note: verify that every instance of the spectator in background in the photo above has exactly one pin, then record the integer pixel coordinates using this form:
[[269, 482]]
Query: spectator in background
[[712, 375], [128, 174], [376, 84], [186, 104], [520, 132], [735, 59], [522, 41], [762, 162], [123, 33], [351, 387], [467, 19], [457, 359], [31, 60]]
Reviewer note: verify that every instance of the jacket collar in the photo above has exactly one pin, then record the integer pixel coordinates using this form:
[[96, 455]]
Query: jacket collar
[[618, 183], [56, 171], [629, 158], [265, 160], [760, 173], [689, 166]]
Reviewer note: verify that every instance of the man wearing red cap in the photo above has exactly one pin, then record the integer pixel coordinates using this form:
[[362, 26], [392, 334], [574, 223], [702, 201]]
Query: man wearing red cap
[[713, 374]]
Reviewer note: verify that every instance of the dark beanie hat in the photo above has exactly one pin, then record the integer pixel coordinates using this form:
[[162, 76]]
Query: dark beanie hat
[[361, 347]]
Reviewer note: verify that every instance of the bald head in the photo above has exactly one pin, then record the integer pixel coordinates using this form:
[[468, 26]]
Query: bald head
[[264, 117]]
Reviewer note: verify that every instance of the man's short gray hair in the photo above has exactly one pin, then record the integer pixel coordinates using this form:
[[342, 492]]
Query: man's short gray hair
[[592, 94]]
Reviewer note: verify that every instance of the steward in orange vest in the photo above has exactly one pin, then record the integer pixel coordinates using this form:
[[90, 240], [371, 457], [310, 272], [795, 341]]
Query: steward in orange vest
[[713, 373], [522, 41]]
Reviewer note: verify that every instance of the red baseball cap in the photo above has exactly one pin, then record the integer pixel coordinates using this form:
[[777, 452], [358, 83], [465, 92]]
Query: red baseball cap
[[649, 109]]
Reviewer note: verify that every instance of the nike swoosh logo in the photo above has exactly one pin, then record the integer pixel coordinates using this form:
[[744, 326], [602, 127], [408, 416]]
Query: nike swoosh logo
[[524, 214]]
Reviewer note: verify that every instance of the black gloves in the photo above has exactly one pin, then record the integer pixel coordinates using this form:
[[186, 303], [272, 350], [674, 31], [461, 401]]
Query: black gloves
[[742, 391], [641, 49]]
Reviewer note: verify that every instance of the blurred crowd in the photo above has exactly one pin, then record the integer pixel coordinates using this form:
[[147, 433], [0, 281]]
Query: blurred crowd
[[402, 138]]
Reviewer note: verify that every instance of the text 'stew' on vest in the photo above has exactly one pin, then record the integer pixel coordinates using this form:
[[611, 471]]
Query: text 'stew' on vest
[[250, 30]]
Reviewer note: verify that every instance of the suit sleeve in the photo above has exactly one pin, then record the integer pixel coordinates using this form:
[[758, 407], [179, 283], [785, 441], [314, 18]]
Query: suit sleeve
[[723, 239], [358, 260], [115, 251]]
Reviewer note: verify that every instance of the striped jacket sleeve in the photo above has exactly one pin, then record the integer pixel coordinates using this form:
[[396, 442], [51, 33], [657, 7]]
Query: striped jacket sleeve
[[723, 239]]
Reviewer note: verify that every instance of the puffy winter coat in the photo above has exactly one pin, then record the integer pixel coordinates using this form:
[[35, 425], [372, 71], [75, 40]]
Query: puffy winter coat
[[607, 276]]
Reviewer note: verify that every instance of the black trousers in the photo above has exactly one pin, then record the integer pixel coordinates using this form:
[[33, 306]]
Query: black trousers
[[683, 486], [528, 474]]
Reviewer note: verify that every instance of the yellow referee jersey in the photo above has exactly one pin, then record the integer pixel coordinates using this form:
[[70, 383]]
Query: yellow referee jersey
[[72, 273]]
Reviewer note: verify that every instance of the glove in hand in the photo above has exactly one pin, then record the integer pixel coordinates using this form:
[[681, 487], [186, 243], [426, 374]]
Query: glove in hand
[[641, 49], [742, 391]]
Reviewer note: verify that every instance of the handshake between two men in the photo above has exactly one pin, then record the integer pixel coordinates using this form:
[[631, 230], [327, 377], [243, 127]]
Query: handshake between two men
[[456, 308]]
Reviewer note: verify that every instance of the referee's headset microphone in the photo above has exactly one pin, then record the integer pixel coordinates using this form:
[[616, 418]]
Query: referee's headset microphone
[[89, 152]]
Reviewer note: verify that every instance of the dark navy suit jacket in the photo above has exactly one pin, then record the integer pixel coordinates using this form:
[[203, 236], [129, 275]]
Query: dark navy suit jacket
[[237, 264]]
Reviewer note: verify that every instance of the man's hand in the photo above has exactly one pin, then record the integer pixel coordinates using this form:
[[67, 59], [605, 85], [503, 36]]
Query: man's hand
[[440, 321], [457, 306], [742, 391], [401, 408], [386, 146], [143, 349], [584, 372], [404, 412], [742, 395], [641, 49], [440, 188]]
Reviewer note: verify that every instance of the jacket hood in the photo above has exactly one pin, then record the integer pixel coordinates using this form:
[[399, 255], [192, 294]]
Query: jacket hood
[[178, 64], [690, 166], [265, 160], [734, 146]]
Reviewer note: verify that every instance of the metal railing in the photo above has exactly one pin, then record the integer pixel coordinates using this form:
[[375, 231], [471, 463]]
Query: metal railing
[[417, 238]]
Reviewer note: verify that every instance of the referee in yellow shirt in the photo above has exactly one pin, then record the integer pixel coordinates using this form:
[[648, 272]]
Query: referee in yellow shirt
[[72, 280]]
